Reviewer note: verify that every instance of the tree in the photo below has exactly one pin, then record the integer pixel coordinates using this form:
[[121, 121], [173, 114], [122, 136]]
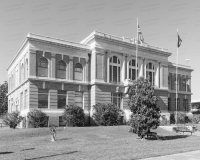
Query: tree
[[144, 108], [3, 98], [12, 119], [37, 118]]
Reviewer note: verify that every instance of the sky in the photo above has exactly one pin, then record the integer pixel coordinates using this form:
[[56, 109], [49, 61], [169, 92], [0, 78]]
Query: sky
[[73, 20]]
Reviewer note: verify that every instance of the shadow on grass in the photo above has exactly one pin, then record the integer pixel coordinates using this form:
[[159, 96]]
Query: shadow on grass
[[174, 137], [52, 155], [27, 149], [166, 138], [6, 152], [63, 139]]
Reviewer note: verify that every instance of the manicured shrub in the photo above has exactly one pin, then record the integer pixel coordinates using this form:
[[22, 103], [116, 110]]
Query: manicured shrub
[[73, 115], [37, 118], [12, 119], [196, 118], [106, 114], [180, 118], [172, 118]]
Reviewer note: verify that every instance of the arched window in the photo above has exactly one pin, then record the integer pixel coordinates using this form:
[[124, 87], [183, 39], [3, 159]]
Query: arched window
[[114, 69], [10, 86], [132, 69], [43, 67], [61, 69], [150, 72], [78, 72], [26, 68], [17, 77], [22, 71]]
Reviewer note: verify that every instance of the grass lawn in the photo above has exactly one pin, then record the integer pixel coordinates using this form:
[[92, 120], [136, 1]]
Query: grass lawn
[[92, 143]]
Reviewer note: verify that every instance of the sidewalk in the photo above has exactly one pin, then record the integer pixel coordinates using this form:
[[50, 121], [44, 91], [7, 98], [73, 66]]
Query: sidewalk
[[193, 155]]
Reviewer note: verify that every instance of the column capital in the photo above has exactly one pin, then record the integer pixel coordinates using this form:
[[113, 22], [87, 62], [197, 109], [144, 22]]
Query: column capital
[[71, 57], [124, 54], [107, 51], [53, 54]]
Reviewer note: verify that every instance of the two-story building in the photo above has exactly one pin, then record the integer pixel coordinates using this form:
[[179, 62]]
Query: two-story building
[[48, 73]]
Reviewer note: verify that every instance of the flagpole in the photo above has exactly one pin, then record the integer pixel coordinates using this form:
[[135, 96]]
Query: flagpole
[[136, 49], [176, 84]]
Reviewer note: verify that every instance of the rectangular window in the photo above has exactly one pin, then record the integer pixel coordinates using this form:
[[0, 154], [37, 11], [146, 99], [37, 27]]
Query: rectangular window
[[21, 101], [99, 68], [111, 73], [118, 74], [178, 82], [184, 104], [169, 82], [9, 107], [61, 74], [133, 74], [79, 99], [130, 74], [61, 122], [169, 104], [25, 99], [43, 96], [78, 76], [184, 84], [116, 99], [115, 73], [43, 72], [178, 104], [61, 99]]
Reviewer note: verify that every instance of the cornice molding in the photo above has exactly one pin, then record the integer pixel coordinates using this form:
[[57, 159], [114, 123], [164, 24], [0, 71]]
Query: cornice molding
[[133, 46]]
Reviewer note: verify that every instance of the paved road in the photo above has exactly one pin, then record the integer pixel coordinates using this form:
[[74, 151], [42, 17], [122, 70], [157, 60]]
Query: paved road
[[194, 155]]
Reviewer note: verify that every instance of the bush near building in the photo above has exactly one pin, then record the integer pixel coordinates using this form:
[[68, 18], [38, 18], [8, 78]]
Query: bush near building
[[73, 115], [106, 114], [37, 118], [182, 118], [144, 108], [12, 119]]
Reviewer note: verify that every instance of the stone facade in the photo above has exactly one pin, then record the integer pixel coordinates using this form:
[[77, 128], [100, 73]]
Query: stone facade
[[47, 71]]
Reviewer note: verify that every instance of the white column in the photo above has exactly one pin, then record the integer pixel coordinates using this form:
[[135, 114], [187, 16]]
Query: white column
[[161, 76], [108, 68], [123, 68], [145, 66], [140, 66], [127, 64], [157, 75], [70, 70]]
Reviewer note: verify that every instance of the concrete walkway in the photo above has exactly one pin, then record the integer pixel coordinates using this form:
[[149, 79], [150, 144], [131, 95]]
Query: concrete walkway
[[194, 155]]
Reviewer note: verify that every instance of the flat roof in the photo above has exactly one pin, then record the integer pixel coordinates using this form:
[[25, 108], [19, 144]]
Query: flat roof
[[48, 39]]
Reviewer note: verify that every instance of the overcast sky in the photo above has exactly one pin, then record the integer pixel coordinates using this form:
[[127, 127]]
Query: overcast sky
[[73, 20]]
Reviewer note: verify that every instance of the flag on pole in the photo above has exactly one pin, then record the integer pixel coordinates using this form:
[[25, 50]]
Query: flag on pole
[[179, 41], [140, 36]]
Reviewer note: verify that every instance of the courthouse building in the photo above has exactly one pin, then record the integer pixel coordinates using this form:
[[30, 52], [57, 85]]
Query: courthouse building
[[48, 73]]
